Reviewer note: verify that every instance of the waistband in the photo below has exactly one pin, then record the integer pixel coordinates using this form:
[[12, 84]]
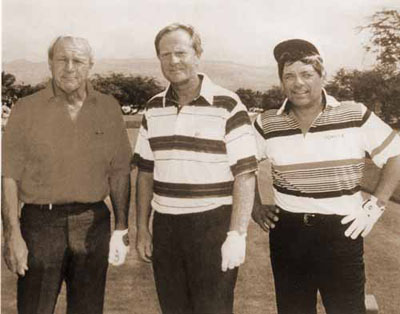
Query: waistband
[[307, 219], [197, 214], [66, 206]]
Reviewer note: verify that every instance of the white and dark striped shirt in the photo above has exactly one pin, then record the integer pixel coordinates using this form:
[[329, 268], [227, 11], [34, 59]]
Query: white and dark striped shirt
[[321, 171], [195, 152]]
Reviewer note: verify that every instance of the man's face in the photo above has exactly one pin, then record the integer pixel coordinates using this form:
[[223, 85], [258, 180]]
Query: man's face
[[302, 84], [70, 65], [179, 62]]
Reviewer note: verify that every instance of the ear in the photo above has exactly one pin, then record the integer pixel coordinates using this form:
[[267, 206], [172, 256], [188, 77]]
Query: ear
[[50, 63], [197, 59], [281, 86]]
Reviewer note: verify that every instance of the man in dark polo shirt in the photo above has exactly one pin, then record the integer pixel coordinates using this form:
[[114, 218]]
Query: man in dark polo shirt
[[65, 149]]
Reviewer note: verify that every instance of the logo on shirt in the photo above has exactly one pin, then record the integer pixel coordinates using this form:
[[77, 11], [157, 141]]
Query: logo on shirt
[[333, 136]]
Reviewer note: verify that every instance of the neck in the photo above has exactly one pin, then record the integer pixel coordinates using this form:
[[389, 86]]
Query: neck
[[74, 97], [308, 112], [188, 90]]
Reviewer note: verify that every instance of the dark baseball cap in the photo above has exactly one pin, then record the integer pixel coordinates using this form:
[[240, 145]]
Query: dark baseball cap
[[293, 50]]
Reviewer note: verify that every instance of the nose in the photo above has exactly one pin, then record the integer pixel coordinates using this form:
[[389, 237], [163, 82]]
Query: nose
[[299, 81], [69, 65], [174, 58]]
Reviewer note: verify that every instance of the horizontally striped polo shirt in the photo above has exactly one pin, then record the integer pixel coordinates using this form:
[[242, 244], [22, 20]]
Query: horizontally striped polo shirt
[[195, 153], [321, 171]]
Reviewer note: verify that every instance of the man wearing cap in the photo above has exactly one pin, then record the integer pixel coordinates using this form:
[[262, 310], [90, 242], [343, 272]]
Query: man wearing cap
[[196, 158], [316, 146], [65, 149]]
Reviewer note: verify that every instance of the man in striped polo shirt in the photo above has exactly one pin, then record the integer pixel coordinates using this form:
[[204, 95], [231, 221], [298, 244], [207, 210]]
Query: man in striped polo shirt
[[196, 155], [316, 147]]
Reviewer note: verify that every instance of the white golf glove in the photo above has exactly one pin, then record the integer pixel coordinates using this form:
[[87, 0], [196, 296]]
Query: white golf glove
[[233, 250], [118, 249], [364, 218]]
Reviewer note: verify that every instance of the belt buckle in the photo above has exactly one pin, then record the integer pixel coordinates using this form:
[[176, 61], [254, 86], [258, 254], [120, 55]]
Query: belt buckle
[[46, 206], [309, 219]]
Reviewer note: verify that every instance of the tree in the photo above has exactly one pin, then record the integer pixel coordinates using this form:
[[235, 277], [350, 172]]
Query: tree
[[11, 92], [385, 38], [373, 88], [273, 98], [129, 90], [248, 97]]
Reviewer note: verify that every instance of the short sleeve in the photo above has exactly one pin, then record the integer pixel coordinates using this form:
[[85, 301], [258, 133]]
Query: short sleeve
[[380, 140], [240, 142], [14, 142], [260, 140], [143, 157], [120, 164]]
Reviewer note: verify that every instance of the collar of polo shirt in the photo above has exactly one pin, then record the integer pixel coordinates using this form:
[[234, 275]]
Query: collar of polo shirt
[[206, 90]]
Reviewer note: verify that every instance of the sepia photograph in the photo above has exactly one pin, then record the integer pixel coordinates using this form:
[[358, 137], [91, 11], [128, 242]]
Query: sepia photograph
[[200, 157]]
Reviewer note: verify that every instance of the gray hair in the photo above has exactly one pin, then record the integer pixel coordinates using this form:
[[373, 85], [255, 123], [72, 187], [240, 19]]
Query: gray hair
[[315, 60], [177, 26], [78, 40]]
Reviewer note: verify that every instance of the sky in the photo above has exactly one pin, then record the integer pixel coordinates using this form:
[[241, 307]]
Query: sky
[[240, 31]]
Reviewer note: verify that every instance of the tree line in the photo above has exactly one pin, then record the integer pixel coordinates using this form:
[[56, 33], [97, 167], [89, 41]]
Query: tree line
[[378, 88]]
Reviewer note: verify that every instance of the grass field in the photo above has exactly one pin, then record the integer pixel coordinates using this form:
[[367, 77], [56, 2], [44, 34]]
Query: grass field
[[130, 288]]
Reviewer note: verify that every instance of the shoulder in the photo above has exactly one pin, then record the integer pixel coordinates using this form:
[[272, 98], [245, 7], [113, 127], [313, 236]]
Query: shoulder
[[346, 110], [225, 98], [33, 102], [270, 124], [270, 115], [156, 101], [106, 102]]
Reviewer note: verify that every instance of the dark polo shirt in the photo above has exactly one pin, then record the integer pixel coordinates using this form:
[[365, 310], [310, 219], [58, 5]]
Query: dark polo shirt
[[57, 160]]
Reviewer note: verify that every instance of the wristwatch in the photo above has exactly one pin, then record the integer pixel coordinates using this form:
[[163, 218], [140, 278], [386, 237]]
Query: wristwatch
[[373, 206]]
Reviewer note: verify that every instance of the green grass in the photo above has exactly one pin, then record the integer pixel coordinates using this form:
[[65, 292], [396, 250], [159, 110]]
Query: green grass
[[130, 288]]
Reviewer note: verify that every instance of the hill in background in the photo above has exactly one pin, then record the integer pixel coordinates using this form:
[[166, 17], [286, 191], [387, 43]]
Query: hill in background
[[227, 74]]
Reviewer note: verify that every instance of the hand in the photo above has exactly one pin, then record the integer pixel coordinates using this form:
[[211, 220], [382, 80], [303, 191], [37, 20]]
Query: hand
[[5, 113], [233, 250], [265, 216], [16, 253], [144, 245], [119, 247], [363, 219]]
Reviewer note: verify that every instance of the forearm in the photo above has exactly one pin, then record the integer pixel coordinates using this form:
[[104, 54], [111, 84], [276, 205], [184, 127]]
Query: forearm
[[120, 187], [144, 195], [257, 196], [389, 180], [10, 206], [243, 200]]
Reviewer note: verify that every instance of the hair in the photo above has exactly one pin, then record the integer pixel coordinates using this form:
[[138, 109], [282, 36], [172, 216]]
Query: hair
[[196, 41], [315, 60], [78, 40]]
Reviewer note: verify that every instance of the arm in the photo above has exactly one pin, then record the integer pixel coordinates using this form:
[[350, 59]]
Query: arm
[[144, 196], [389, 179], [365, 219], [15, 249], [243, 198], [264, 215], [120, 196], [234, 248]]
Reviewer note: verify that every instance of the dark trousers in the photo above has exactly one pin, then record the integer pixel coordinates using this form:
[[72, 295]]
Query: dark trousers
[[68, 243], [187, 263], [311, 253]]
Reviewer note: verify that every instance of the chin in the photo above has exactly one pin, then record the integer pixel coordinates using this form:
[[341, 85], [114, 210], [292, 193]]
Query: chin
[[69, 89], [179, 81]]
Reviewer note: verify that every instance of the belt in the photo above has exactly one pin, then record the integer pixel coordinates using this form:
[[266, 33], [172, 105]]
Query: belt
[[307, 219], [74, 205]]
